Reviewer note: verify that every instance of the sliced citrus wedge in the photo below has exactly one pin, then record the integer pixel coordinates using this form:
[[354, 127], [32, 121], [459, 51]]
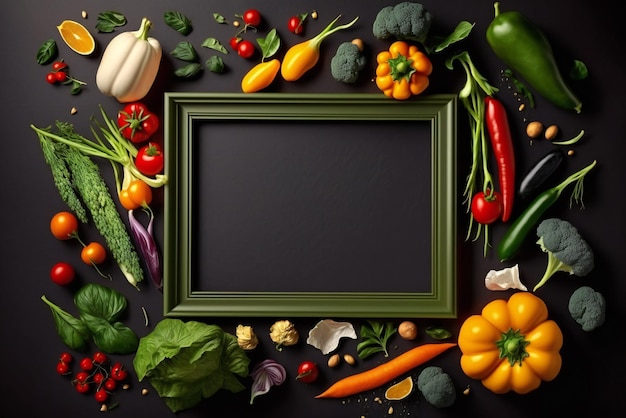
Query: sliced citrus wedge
[[400, 390], [77, 37]]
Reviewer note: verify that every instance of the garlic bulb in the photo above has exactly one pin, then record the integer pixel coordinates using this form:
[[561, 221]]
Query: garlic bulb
[[246, 338], [284, 333]]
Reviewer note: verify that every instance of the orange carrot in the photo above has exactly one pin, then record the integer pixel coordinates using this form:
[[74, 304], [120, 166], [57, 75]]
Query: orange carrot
[[384, 373]]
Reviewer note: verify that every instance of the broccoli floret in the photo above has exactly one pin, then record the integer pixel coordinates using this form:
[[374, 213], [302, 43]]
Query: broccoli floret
[[404, 21], [587, 307], [567, 250], [437, 387], [347, 63]]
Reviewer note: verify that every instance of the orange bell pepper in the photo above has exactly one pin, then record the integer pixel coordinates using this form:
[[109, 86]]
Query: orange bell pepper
[[511, 345], [402, 71]]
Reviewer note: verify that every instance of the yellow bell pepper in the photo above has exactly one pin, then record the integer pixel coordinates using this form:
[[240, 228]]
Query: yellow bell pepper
[[511, 345], [402, 71]]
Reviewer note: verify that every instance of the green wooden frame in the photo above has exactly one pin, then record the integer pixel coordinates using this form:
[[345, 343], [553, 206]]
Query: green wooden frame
[[183, 111]]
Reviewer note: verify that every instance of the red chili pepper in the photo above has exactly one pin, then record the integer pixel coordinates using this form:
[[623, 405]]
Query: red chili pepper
[[502, 144]]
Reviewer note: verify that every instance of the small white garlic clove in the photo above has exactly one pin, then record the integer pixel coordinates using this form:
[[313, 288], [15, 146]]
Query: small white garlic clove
[[507, 278]]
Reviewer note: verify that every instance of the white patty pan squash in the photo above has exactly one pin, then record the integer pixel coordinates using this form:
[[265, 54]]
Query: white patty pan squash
[[129, 65]]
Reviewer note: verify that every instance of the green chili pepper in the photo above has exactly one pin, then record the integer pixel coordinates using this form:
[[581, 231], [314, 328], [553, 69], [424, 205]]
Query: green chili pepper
[[518, 42], [519, 230]]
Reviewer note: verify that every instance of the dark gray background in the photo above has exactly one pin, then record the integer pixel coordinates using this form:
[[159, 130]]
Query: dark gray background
[[592, 368]]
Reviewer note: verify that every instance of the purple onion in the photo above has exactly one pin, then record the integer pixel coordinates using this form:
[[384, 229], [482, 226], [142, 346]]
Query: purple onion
[[147, 247], [266, 374]]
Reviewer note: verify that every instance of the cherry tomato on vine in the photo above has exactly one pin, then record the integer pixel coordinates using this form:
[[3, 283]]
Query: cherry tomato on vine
[[486, 209], [99, 357], [81, 377], [64, 225], [245, 49], [296, 23], [140, 192], [118, 372], [308, 372], [63, 368], [251, 17], [101, 396], [97, 378], [59, 66], [110, 384], [82, 387], [62, 273], [51, 78], [60, 76], [234, 42], [86, 364], [149, 159], [137, 123], [66, 358], [93, 253]]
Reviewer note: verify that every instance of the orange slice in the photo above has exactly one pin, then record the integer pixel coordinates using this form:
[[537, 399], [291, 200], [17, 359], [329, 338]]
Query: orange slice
[[400, 390], [77, 37]]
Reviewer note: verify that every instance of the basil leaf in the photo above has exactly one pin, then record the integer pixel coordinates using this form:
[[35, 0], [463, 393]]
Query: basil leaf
[[579, 71], [184, 51], [215, 64], [219, 18], [214, 44], [73, 332], [101, 301], [462, 31], [47, 52], [113, 338], [270, 44], [177, 21], [108, 21], [189, 70], [438, 333]]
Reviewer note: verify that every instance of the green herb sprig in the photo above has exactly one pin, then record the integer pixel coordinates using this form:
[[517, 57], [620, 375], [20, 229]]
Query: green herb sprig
[[375, 336]]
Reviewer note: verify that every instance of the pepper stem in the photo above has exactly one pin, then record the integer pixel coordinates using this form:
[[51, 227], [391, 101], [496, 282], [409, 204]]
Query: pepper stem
[[145, 27], [512, 346]]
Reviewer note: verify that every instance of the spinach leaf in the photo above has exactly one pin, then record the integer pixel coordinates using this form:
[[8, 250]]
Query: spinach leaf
[[375, 336], [215, 64], [73, 332], [100, 301], [438, 333], [184, 51], [108, 21], [189, 70], [177, 21], [47, 52], [213, 43], [113, 338]]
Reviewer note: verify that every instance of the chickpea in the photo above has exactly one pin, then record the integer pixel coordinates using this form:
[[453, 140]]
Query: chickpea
[[534, 129]]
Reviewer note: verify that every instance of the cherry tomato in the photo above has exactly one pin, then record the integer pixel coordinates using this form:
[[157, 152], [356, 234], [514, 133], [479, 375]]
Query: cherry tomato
[[296, 23], [245, 49], [99, 357], [86, 364], [81, 387], [51, 78], [126, 201], [137, 123], [110, 384], [93, 253], [66, 358], [60, 76], [63, 368], [252, 17], [118, 372], [62, 273], [486, 209], [149, 159], [234, 41], [102, 396], [59, 65], [64, 225], [81, 377], [97, 378], [308, 372], [139, 192]]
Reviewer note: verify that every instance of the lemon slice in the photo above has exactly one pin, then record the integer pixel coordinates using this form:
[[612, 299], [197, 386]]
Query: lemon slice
[[400, 390], [77, 37]]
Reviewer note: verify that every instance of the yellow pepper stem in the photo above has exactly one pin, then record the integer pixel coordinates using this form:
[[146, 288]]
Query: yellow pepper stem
[[512, 346]]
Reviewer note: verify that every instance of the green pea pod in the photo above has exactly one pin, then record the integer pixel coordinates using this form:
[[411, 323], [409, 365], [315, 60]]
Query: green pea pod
[[518, 42]]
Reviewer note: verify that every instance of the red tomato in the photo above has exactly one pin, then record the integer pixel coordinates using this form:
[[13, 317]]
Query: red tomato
[[118, 372], [234, 41], [64, 225], [245, 49], [59, 65], [296, 24], [126, 201], [102, 396], [99, 357], [252, 17], [51, 78], [66, 357], [93, 253], [486, 209], [110, 384], [81, 387], [137, 123], [62, 274], [308, 372], [63, 368], [149, 159], [60, 76]]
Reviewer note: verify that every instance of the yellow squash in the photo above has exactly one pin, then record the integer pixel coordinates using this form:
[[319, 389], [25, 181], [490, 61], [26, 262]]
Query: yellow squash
[[511, 345], [260, 76], [402, 71]]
